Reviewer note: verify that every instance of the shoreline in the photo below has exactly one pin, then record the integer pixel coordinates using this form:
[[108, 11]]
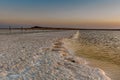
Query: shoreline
[[110, 69], [85, 61]]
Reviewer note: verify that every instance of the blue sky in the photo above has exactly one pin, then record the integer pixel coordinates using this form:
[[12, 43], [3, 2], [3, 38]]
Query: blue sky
[[60, 12]]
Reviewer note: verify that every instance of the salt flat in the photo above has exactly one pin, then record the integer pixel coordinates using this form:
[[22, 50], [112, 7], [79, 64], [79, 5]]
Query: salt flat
[[42, 56]]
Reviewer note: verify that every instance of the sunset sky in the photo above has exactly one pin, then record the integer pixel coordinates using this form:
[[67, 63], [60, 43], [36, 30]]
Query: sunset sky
[[80, 13]]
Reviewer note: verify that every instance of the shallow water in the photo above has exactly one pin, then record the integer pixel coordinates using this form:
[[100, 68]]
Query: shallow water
[[111, 70], [101, 49]]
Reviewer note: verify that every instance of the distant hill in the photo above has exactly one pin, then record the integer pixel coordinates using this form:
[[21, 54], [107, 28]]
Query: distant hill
[[58, 28], [54, 28]]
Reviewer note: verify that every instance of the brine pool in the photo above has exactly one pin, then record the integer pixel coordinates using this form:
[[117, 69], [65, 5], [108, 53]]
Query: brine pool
[[100, 49]]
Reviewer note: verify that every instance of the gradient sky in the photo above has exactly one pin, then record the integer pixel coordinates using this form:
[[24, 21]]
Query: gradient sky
[[61, 12]]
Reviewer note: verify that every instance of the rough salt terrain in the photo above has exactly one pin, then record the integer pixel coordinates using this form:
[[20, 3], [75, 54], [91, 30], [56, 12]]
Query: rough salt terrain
[[42, 56]]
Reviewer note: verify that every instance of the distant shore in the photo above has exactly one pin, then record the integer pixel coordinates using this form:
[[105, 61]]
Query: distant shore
[[58, 28]]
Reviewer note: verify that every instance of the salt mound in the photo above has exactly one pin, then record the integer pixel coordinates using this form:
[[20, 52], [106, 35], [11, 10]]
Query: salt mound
[[50, 65], [76, 35]]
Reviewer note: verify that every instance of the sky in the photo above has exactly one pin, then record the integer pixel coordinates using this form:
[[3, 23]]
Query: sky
[[69, 13]]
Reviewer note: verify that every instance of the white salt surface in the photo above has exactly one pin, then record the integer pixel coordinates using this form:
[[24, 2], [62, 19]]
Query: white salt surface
[[31, 56]]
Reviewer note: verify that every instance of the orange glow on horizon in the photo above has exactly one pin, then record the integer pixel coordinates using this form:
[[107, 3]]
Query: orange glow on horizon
[[113, 22]]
